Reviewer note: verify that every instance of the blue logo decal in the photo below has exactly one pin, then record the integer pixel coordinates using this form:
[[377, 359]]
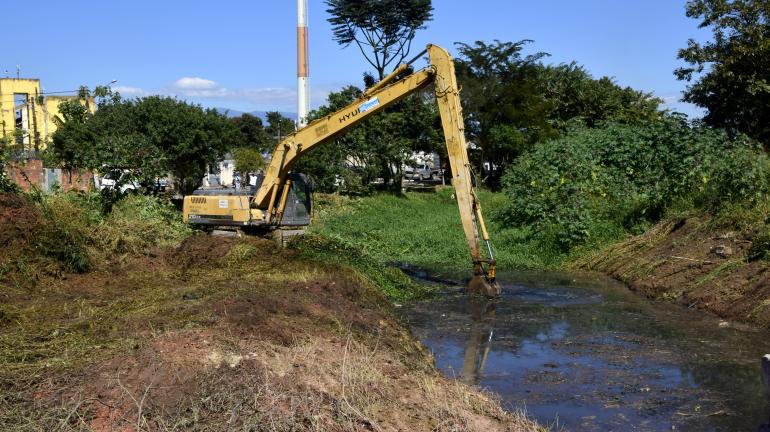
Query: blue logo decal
[[371, 103]]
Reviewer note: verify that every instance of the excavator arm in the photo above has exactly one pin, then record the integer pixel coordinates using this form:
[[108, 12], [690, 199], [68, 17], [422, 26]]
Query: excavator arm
[[269, 200]]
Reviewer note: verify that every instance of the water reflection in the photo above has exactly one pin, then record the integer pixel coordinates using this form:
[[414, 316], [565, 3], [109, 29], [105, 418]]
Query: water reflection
[[479, 342], [598, 357]]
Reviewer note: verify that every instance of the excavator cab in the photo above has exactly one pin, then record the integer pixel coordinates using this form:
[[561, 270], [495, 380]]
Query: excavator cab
[[231, 207], [298, 202]]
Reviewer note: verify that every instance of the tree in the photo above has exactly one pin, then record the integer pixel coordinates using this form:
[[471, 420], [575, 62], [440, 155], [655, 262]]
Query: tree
[[278, 126], [253, 133], [730, 75], [574, 94], [505, 111], [248, 160], [148, 138], [513, 101], [382, 29]]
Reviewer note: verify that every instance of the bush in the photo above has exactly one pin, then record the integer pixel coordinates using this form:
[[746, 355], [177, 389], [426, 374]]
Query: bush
[[760, 246], [6, 185], [596, 183]]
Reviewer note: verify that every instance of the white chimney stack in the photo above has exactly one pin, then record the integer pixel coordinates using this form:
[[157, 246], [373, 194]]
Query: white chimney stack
[[303, 93]]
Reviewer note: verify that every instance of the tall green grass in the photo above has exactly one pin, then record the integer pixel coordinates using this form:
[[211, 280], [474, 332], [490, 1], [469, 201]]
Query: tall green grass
[[424, 229]]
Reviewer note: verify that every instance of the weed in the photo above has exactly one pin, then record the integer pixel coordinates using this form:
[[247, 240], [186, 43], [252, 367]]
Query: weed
[[760, 246], [425, 230], [720, 271], [334, 251]]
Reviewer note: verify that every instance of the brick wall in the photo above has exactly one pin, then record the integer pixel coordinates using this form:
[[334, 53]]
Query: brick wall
[[32, 172]]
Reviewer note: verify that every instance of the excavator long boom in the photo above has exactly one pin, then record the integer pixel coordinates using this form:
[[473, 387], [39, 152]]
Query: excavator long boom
[[270, 198]]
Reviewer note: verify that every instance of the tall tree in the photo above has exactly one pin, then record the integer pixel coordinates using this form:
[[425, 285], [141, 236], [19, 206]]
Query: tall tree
[[278, 126], [382, 29], [254, 134], [730, 75], [148, 137], [502, 100]]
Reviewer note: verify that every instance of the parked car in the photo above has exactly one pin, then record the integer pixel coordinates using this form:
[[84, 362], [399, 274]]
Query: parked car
[[125, 183], [421, 172]]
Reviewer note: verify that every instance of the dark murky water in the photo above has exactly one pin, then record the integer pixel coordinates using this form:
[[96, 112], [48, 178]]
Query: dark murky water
[[585, 353]]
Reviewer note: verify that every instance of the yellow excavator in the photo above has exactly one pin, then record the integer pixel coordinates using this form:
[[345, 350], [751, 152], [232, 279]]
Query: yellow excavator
[[282, 199]]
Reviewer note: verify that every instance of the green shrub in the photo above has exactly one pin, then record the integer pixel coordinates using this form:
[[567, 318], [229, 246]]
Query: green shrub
[[67, 232], [599, 183], [6, 185]]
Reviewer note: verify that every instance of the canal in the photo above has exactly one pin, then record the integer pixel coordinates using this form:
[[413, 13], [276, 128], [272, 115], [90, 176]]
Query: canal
[[582, 352]]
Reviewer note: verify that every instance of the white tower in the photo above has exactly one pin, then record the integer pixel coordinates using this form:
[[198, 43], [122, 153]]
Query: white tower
[[303, 93]]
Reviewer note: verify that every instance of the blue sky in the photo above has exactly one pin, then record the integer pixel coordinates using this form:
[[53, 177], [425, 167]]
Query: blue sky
[[240, 54]]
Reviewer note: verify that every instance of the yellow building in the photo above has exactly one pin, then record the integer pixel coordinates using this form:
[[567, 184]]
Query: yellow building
[[26, 114]]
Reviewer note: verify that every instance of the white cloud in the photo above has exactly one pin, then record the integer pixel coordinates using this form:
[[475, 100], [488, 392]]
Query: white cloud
[[195, 87], [195, 83], [259, 98], [130, 91]]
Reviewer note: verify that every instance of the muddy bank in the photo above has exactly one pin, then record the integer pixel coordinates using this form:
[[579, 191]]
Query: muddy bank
[[221, 334], [691, 263]]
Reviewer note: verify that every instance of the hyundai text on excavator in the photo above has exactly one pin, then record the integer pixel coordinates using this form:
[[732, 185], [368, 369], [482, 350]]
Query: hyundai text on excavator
[[282, 199]]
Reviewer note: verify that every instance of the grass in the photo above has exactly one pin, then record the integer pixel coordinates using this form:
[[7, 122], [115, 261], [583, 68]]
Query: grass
[[336, 252], [424, 229]]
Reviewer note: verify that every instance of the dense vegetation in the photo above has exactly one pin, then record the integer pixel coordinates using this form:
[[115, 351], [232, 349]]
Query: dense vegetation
[[605, 182], [150, 137], [153, 137], [513, 101], [47, 235], [424, 229], [573, 195]]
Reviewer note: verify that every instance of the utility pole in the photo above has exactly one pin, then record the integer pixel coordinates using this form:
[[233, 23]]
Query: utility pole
[[303, 93]]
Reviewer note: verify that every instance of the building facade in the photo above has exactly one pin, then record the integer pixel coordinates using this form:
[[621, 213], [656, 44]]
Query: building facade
[[27, 115]]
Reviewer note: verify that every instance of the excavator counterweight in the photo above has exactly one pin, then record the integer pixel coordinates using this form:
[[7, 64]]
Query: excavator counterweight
[[280, 187]]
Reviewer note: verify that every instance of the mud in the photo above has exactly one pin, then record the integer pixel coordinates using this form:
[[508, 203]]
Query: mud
[[583, 352], [696, 266]]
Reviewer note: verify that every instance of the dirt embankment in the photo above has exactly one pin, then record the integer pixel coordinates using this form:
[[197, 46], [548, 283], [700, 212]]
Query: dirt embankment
[[694, 264], [220, 334]]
